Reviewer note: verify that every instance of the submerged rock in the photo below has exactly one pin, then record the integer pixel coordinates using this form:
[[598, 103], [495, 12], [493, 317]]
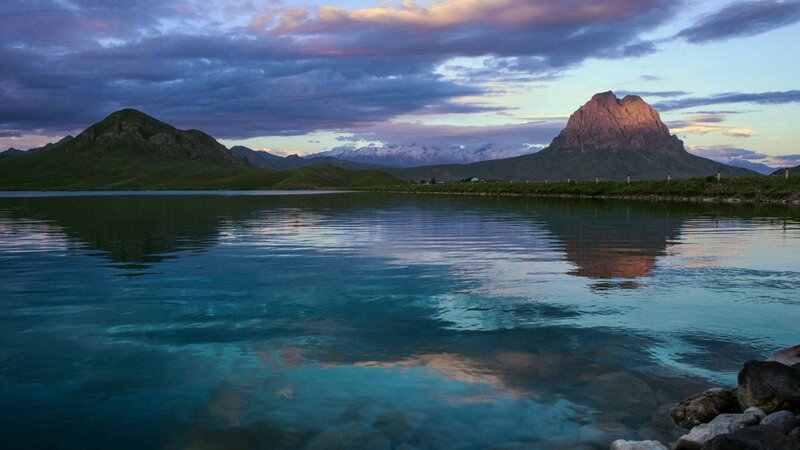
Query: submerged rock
[[630, 396], [783, 421], [703, 407], [788, 356], [757, 437], [769, 385], [621, 444], [722, 424]]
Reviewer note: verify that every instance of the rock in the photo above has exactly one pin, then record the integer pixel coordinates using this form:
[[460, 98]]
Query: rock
[[627, 395], [784, 421], [788, 356], [795, 434], [637, 445], [752, 438], [608, 123], [769, 385], [756, 411], [722, 424], [601, 433], [703, 407]]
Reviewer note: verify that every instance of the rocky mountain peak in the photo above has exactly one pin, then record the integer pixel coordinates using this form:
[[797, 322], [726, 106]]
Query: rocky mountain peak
[[607, 123], [133, 130]]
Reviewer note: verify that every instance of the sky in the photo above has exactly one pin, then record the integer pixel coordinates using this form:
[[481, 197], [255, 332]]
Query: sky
[[304, 76]]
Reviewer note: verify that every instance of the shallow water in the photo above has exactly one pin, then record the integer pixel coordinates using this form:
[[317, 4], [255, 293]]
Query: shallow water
[[377, 321]]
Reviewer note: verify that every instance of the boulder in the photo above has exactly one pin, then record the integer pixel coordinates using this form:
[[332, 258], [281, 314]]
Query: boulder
[[703, 407], [753, 438], [788, 356], [757, 412], [621, 444], [769, 385], [783, 421], [722, 424]]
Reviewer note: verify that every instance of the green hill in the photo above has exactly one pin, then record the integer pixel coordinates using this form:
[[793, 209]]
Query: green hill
[[132, 151], [793, 172], [558, 165]]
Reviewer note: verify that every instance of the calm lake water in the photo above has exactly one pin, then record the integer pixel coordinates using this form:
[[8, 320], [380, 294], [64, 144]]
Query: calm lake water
[[377, 321]]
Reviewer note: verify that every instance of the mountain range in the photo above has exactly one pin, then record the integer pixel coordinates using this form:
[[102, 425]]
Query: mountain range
[[414, 155], [32, 151], [131, 150], [266, 160], [763, 169], [607, 137]]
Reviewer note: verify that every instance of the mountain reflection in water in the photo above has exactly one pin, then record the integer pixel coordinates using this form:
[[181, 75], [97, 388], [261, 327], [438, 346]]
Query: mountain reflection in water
[[377, 321]]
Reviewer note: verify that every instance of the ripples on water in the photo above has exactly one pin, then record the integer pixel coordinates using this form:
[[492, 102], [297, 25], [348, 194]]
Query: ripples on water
[[377, 321]]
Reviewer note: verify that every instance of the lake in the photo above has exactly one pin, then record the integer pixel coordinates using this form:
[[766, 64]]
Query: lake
[[356, 320]]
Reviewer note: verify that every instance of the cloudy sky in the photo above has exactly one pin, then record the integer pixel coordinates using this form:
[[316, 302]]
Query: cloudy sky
[[305, 76]]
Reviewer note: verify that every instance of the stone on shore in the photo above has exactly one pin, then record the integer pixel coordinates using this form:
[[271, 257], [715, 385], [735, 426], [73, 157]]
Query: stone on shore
[[703, 407], [621, 444], [756, 411], [783, 421], [722, 424], [788, 356], [753, 438], [769, 385]]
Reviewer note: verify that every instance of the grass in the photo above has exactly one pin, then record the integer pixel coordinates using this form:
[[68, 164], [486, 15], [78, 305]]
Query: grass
[[751, 189], [130, 171]]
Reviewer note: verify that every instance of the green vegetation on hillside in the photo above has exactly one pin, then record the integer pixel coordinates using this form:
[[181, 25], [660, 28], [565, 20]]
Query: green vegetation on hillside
[[129, 150], [770, 188], [554, 164], [130, 170]]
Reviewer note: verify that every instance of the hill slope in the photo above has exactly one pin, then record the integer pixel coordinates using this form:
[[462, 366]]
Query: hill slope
[[130, 150], [15, 152], [607, 138], [793, 172], [266, 160]]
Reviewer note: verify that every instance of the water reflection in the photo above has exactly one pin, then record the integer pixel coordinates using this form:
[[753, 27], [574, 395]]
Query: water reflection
[[375, 321]]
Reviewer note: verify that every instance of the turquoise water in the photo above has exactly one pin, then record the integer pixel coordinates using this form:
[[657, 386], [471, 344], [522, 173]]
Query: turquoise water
[[353, 320]]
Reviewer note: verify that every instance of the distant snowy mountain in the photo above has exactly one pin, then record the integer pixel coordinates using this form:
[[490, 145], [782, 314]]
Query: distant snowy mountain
[[417, 155], [763, 169]]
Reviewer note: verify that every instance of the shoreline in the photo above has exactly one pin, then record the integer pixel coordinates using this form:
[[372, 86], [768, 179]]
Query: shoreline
[[648, 198], [761, 413]]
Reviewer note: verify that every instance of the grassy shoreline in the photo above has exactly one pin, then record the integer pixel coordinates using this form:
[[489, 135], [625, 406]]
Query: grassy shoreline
[[734, 190]]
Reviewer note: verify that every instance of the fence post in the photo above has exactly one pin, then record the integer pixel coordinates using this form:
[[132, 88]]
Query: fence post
[[669, 177], [629, 179], [786, 174], [718, 176]]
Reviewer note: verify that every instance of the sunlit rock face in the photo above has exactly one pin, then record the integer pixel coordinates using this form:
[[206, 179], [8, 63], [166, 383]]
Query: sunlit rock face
[[608, 123]]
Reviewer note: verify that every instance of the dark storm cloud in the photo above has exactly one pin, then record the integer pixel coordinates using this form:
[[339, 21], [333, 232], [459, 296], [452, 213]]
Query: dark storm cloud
[[539, 35], [64, 65], [10, 133], [237, 88], [764, 98], [743, 19]]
